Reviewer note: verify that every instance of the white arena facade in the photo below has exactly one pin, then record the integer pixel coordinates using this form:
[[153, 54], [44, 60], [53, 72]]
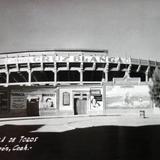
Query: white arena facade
[[72, 82]]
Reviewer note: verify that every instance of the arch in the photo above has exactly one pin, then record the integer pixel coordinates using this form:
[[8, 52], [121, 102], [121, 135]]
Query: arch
[[42, 76], [151, 71], [115, 74], [93, 75], [140, 75], [15, 77], [68, 76], [3, 77]]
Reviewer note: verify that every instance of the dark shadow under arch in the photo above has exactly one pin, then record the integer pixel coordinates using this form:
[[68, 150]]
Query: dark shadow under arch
[[16, 77], [93, 75], [68, 76], [42, 76]]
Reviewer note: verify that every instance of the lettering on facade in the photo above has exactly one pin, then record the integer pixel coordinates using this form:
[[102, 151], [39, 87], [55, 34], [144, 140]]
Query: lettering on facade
[[119, 60], [67, 58], [77, 58]]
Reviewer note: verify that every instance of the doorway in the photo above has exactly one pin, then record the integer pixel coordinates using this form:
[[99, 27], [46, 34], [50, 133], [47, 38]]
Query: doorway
[[33, 107], [80, 103]]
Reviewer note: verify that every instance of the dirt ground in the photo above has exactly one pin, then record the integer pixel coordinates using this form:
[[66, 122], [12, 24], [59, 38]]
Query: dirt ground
[[118, 137]]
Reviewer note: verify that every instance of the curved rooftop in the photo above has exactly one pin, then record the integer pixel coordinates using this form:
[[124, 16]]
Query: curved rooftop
[[77, 66], [7, 57]]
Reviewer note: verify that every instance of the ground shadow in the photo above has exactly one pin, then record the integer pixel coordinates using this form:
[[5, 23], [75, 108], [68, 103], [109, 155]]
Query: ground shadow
[[105, 142]]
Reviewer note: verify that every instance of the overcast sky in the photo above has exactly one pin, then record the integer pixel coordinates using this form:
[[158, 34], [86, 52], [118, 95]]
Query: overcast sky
[[124, 27]]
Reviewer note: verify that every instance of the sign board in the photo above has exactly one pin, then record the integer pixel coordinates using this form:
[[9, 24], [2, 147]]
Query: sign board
[[95, 92], [18, 100], [66, 98], [64, 58], [127, 81]]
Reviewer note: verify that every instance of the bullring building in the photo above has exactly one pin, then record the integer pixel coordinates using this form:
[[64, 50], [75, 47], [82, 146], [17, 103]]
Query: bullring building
[[71, 82]]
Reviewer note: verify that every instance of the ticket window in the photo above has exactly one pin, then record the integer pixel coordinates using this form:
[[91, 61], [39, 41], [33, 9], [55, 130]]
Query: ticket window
[[80, 103]]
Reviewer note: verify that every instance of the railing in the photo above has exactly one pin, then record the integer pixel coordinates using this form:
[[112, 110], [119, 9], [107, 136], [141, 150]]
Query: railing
[[49, 83]]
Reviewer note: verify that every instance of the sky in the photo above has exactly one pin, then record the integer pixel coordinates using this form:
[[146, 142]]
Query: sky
[[124, 27]]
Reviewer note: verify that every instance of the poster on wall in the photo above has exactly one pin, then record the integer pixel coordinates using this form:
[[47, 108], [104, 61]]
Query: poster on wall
[[18, 100], [96, 99], [49, 101], [128, 96]]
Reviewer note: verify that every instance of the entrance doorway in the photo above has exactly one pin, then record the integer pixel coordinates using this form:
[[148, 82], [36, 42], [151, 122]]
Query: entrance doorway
[[80, 103], [33, 107]]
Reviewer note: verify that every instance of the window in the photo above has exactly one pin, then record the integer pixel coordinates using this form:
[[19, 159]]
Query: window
[[66, 99]]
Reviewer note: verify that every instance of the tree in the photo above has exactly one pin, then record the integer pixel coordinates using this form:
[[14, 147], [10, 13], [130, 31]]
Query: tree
[[155, 88]]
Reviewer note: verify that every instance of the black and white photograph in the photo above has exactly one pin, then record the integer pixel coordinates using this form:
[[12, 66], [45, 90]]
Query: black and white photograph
[[79, 79]]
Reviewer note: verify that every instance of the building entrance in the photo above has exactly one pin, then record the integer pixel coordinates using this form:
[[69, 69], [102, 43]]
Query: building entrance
[[33, 107], [80, 103]]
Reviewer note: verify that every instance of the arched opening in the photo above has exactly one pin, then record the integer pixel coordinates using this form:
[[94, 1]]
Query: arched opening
[[117, 70], [68, 76], [151, 71], [42, 76], [16, 77], [2, 77], [140, 75], [115, 74], [93, 75]]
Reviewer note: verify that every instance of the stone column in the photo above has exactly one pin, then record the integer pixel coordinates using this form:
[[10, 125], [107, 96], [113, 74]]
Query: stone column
[[7, 74], [129, 70], [29, 77], [29, 74], [55, 73], [146, 78], [7, 77], [106, 72], [147, 74], [81, 73], [138, 69]]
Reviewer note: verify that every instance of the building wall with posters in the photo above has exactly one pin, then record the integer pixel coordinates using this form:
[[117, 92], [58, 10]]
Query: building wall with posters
[[46, 99], [60, 100], [58, 82]]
